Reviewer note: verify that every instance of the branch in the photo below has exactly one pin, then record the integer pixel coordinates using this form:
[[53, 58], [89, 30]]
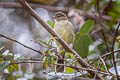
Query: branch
[[40, 61], [1, 35], [74, 67], [89, 15], [106, 54], [109, 53], [104, 64], [113, 56], [54, 34], [15, 5]]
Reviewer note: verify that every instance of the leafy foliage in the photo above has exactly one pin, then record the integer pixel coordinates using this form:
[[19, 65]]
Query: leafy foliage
[[86, 28], [81, 45], [101, 40], [44, 65], [82, 39], [13, 67], [69, 70], [51, 23]]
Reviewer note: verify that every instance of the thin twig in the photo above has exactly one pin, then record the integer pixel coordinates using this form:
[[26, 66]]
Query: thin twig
[[21, 62], [107, 7], [112, 49], [86, 69], [104, 64], [104, 10], [117, 60], [106, 54], [109, 53], [89, 15], [99, 20], [1, 35], [15, 5], [40, 61], [98, 69], [58, 38]]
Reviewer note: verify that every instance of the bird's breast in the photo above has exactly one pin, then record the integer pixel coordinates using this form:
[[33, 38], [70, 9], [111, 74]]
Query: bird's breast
[[65, 30]]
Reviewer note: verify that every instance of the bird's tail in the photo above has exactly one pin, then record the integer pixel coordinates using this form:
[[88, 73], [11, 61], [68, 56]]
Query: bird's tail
[[60, 61]]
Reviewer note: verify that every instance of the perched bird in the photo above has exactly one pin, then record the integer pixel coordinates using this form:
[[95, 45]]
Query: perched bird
[[65, 30]]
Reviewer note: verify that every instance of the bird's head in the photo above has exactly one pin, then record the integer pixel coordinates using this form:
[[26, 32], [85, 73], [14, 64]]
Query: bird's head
[[59, 16]]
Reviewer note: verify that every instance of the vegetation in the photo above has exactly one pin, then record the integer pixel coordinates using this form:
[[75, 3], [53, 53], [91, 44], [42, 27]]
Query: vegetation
[[95, 53]]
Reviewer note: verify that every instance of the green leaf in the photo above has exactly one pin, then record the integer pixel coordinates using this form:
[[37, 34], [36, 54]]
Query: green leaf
[[81, 45], [12, 67], [1, 60], [92, 2], [86, 28], [42, 42], [1, 56], [51, 23], [69, 55], [15, 66], [44, 65], [69, 70]]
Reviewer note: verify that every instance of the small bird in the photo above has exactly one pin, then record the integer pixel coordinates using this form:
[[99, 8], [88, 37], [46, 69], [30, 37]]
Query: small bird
[[64, 28]]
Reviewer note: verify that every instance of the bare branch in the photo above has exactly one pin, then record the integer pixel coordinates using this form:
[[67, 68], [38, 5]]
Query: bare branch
[[1, 35], [109, 53], [103, 64], [106, 54], [86, 14], [112, 49]]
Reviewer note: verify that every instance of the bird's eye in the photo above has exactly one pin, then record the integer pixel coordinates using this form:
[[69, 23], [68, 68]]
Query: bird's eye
[[59, 16]]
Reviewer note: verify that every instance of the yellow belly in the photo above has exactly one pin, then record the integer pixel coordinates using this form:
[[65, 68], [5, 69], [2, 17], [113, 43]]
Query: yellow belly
[[65, 30]]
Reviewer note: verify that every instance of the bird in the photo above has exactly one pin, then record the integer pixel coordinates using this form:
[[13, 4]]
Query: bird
[[65, 29]]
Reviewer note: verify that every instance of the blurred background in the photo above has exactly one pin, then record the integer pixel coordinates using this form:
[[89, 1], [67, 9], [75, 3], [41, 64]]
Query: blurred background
[[17, 24]]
